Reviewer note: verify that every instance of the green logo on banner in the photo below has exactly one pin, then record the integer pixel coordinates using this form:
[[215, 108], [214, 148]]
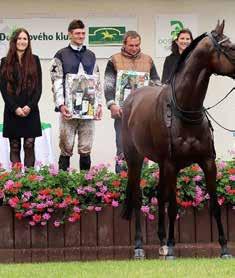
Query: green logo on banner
[[178, 26], [106, 35]]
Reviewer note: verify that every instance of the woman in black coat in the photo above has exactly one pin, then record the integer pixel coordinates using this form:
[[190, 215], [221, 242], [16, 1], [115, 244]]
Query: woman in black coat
[[21, 86], [182, 41]]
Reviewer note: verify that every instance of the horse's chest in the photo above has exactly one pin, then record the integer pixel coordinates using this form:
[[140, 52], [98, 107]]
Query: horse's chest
[[189, 146]]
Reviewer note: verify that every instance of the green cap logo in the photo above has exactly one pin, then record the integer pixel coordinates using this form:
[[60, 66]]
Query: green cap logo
[[178, 26]]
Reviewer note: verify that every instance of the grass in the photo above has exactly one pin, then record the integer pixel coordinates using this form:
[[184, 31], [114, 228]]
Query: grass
[[198, 268]]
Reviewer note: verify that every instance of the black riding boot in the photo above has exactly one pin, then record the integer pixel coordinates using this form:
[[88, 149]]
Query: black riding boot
[[64, 162], [85, 162]]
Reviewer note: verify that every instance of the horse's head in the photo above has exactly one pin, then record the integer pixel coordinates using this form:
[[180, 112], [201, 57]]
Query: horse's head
[[223, 52]]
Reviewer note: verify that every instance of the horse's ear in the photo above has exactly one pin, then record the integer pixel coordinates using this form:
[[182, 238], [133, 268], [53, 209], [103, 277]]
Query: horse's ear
[[217, 26], [219, 29]]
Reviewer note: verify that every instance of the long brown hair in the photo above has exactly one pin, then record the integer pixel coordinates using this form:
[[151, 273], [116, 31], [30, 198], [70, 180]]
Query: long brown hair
[[27, 77], [174, 46]]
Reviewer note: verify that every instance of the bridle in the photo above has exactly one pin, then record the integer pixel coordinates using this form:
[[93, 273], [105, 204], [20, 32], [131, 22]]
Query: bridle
[[220, 48]]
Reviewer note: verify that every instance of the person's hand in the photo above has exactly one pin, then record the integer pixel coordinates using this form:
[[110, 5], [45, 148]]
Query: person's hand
[[20, 112], [65, 112], [116, 111], [26, 109], [99, 112]]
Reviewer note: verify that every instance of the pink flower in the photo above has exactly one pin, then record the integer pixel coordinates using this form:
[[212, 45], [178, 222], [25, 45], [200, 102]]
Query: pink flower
[[80, 191], [43, 223], [40, 206], [232, 178], [90, 208], [151, 217], [53, 170], [13, 202], [72, 219], [56, 223], [49, 203], [88, 176], [28, 212], [199, 197], [98, 209], [32, 223], [227, 188], [76, 209], [71, 170], [99, 184], [221, 201], [103, 189], [222, 164], [115, 204], [154, 201], [50, 209], [38, 163], [63, 205], [46, 216], [99, 194], [89, 189], [156, 174], [27, 195], [9, 185], [207, 196], [197, 178], [145, 209]]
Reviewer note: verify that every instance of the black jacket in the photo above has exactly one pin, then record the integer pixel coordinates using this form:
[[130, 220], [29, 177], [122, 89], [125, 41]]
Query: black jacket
[[169, 67], [13, 125]]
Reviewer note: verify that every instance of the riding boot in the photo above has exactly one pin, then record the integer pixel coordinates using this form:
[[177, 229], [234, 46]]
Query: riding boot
[[85, 162], [64, 162]]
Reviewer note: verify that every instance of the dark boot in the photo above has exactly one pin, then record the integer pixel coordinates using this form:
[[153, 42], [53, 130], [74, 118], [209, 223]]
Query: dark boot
[[64, 162], [85, 162]]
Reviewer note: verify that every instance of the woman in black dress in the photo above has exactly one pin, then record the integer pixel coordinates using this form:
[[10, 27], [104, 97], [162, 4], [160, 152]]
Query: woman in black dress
[[182, 41], [21, 86]]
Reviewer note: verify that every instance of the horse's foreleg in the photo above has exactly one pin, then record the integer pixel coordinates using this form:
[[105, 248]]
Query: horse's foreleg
[[172, 212], [133, 193], [166, 192], [209, 169], [139, 252], [134, 198]]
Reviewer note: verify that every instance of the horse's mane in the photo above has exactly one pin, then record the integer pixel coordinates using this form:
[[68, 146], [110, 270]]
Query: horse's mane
[[186, 53]]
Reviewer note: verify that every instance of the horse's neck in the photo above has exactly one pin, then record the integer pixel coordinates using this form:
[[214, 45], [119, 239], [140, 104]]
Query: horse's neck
[[191, 83]]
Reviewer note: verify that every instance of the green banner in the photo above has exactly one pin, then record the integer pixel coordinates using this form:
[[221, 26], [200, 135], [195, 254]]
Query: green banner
[[106, 35]]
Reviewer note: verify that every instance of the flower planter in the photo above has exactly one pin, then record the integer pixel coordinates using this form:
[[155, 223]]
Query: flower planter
[[105, 235]]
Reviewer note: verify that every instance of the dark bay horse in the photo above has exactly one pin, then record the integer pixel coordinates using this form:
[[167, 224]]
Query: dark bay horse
[[167, 124]]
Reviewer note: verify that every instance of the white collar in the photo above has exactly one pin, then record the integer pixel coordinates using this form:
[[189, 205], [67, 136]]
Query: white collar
[[76, 47]]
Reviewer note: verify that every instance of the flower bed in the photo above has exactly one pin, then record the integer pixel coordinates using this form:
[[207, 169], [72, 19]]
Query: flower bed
[[36, 194]]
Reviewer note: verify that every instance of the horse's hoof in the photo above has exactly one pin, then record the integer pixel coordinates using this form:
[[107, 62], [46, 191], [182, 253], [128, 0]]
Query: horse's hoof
[[170, 257], [139, 254], [163, 250], [226, 256]]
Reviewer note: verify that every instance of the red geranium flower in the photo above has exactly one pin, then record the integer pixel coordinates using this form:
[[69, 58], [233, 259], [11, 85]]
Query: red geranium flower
[[123, 174], [116, 183], [37, 217]]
